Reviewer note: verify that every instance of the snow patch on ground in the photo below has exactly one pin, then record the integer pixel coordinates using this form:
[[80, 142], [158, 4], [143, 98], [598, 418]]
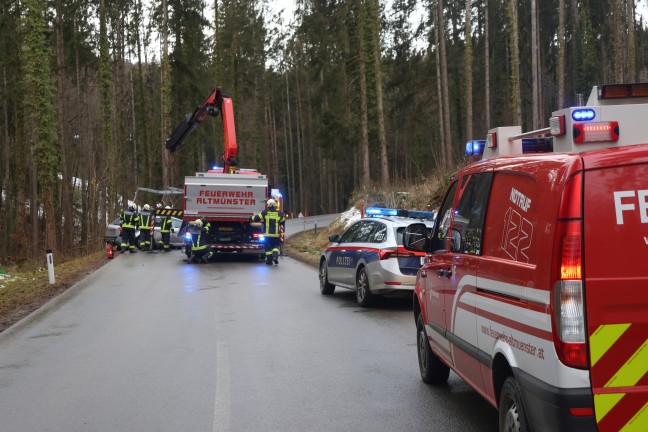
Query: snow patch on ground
[[350, 216], [6, 279]]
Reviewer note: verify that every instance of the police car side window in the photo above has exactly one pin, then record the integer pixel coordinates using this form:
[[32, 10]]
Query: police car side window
[[469, 215], [438, 241], [351, 233], [380, 234], [365, 231]]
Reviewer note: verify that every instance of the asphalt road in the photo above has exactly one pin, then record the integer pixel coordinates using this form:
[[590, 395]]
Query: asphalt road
[[150, 343]]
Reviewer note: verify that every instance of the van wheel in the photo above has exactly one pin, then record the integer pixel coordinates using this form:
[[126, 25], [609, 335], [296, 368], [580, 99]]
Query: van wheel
[[512, 416], [433, 370], [364, 297], [326, 288]]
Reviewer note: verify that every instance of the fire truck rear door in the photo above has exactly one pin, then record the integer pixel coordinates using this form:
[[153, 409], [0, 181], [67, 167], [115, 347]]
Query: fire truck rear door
[[615, 211]]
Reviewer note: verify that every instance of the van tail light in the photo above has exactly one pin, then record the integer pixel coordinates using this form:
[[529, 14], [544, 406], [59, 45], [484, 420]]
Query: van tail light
[[568, 301], [596, 132]]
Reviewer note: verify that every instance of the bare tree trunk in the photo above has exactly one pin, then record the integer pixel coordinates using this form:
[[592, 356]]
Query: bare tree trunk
[[289, 145], [299, 128], [380, 111], [516, 105], [486, 67], [560, 68], [535, 94], [6, 154], [66, 198], [447, 139], [617, 37], [364, 116], [439, 80], [165, 93], [468, 66], [33, 204], [632, 46]]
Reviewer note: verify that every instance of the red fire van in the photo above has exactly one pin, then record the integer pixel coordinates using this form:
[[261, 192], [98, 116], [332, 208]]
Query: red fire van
[[535, 283]]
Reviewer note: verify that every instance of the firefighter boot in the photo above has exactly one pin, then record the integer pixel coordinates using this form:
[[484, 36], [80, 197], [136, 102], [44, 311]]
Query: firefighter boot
[[205, 258], [275, 257]]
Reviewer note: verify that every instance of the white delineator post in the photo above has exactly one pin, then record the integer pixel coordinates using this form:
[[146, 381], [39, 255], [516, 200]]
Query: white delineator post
[[50, 266]]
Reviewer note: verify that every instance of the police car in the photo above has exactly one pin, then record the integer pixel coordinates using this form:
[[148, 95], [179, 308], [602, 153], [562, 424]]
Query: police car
[[369, 257]]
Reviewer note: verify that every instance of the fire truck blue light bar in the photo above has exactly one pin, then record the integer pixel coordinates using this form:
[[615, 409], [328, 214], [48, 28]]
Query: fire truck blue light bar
[[583, 114], [475, 147]]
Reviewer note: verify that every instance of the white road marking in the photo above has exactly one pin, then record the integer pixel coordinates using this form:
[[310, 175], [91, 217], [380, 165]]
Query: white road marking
[[222, 400]]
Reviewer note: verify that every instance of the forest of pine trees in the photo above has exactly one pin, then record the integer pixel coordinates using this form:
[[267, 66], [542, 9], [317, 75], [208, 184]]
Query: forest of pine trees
[[348, 94]]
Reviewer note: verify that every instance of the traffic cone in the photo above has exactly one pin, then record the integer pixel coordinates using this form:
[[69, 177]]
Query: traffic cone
[[109, 249]]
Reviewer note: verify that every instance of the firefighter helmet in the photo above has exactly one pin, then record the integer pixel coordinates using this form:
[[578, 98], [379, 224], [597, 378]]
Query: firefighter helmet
[[199, 223], [272, 203], [147, 207], [167, 208]]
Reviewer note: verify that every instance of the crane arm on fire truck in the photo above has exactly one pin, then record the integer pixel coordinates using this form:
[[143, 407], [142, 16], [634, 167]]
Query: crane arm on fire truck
[[214, 104]]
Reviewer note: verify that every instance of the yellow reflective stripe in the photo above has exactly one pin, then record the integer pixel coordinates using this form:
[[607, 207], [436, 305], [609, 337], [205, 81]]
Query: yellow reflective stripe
[[603, 403], [633, 370], [167, 212], [638, 423], [603, 339]]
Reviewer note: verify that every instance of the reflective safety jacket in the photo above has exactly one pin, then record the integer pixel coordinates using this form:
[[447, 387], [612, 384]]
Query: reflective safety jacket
[[198, 239], [167, 224], [130, 219], [272, 221], [145, 220]]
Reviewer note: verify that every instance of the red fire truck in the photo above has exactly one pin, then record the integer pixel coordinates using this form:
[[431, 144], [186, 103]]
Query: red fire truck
[[228, 197]]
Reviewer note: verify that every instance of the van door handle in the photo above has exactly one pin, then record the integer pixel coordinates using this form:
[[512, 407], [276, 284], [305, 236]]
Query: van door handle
[[446, 273]]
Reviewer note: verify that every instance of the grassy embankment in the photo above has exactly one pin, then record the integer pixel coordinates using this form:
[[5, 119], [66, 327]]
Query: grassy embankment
[[427, 195]]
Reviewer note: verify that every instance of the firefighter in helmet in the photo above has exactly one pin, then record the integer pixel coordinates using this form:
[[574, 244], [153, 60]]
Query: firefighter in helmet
[[130, 221], [272, 220], [166, 229], [200, 252], [146, 226]]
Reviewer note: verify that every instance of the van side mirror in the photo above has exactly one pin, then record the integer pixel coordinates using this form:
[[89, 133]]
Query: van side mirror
[[334, 238], [415, 238]]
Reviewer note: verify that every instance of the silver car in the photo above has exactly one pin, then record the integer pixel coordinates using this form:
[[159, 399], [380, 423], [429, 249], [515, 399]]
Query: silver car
[[112, 233], [369, 256]]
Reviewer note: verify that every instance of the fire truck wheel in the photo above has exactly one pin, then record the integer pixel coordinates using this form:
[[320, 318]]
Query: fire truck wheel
[[433, 370], [364, 297], [512, 416], [326, 288]]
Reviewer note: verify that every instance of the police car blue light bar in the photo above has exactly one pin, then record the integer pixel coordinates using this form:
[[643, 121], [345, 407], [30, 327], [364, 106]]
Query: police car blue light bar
[[377, 211], [415, 214], [420, 214], [475, 147]]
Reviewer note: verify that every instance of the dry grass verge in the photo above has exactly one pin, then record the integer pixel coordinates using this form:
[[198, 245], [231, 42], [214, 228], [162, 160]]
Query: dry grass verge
[[24, 291]]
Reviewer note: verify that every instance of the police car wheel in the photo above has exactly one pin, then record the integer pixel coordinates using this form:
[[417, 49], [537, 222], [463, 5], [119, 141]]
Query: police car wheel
[[364, 297], [326, 288], [433, 370], [512, 416]]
